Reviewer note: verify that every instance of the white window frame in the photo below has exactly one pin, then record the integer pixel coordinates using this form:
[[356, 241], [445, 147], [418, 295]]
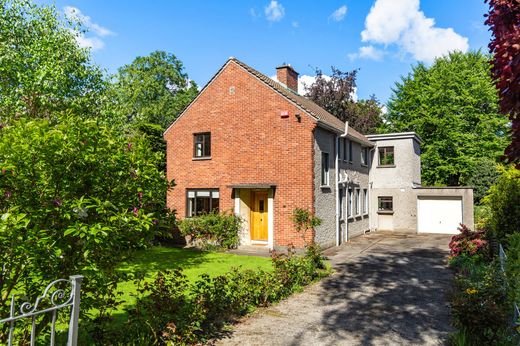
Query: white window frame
[[358, 202], [365, 201], [349, 203], [325, 169], [193, 193], [341, 204]]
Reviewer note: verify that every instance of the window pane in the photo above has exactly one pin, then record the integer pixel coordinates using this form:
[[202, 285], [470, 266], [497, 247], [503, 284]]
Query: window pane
[[324, 169], [385, 203], [345, 152], [202, 205], [350, 150], [215, 204], [202, 193], [191, 206], [386, 156], [207, 144], [349, 203]]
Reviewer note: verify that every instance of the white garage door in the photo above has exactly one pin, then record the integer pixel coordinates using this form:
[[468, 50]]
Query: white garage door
[[439, 214]]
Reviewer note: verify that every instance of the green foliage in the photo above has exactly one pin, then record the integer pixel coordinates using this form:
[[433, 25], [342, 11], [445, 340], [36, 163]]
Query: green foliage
[[335, 94], [153, 89], [513, 266], [453, 106], [304, 220], [42, 68], [215, 229], [482, 178], [76, 197], [503, 200], [480, 305], [170, 310]]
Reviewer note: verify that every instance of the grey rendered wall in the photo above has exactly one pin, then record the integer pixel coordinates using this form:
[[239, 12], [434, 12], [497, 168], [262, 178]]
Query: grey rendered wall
[[357, 177], [324, 197], [398, 182]]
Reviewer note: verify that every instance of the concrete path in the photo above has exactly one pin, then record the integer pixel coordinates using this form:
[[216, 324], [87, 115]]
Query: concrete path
[[388, 289]]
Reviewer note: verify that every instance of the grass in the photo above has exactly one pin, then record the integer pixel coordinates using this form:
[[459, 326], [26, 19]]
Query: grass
[[194, 263]]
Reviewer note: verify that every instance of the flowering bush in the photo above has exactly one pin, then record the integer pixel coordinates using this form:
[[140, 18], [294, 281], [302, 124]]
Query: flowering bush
[[468, 243]]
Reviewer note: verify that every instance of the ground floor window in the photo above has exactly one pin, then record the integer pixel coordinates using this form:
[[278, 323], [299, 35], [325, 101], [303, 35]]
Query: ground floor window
[[341, 204], [349, 203], [365, 201], [385, 203], [358, 201], [202, 201]]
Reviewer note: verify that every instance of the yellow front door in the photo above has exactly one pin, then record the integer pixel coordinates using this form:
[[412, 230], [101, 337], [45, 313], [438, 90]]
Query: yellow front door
[[259, 216]]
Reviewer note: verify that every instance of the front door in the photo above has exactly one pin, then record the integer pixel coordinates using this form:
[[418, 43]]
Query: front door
[[259, 216]]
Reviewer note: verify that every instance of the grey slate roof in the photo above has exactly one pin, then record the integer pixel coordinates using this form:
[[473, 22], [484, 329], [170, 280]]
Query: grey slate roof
[[309, 106]]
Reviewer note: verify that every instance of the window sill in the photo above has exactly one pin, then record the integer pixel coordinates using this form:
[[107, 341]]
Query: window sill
[[386, 166], [387, 212], [364, 165], [202, 158], [325, 187]]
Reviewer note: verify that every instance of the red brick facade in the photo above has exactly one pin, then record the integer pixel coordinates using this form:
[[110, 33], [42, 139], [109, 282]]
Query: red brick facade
[[251, 143]]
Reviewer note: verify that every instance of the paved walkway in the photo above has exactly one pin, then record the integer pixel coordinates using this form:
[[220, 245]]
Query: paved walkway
[[388, 289]]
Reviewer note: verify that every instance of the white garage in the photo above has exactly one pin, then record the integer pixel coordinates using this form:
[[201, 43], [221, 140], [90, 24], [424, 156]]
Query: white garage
[[439, 214]]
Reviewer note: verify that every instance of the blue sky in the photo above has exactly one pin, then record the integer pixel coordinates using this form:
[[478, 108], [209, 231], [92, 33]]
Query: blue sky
[[382, 38]]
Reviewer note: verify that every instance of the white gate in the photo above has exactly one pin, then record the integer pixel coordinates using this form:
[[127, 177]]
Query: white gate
[[51, 297]]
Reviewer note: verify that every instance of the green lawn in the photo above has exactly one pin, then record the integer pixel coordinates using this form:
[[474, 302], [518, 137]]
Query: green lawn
[[193, 262]]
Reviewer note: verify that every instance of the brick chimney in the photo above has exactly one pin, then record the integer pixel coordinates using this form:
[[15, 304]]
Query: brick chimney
[[288, 76]]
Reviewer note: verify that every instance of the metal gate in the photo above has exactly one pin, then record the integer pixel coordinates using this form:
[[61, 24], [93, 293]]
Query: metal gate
[[54, 299]]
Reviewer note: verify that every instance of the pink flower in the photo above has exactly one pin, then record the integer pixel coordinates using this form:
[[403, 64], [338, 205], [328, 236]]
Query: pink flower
[[135, 211]]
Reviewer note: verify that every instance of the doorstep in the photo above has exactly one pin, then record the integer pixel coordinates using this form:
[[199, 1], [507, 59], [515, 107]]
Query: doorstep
[[259, 250]]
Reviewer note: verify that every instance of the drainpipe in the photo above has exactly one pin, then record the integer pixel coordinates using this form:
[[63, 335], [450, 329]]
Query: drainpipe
[[344, 135], [336, 138]]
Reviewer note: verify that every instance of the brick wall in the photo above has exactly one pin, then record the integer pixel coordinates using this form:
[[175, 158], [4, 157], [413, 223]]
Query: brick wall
[[250, 143]]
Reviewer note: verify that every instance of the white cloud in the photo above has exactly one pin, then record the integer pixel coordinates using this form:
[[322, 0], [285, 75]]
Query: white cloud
[[367, 52], [274, 12], [339, 14], [402, 23], [97, 31], [93, 43]]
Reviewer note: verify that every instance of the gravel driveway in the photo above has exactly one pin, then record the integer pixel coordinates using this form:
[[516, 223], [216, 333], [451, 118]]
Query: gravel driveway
[[388, 289]]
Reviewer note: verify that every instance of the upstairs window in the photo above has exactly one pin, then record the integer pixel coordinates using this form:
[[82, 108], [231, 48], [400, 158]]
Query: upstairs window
[[386, 156], [202, 202], [324, 169], [202, 144], [350, 145], [385, 203], [364, 156], [345, 149]]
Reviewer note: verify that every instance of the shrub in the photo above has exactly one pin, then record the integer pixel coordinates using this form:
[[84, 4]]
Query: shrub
[[480, 306], [504, 201], [513, 266], [304, 220], [170, 310], [468, 245], [213, 229]]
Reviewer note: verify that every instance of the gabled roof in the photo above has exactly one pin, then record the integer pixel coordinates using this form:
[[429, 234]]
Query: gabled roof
[[323, 117]]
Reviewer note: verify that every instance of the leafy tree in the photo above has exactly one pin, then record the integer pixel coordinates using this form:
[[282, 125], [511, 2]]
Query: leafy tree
[[453, 106], [335, 94], [76, 197], [42, 68], [482, 178], [504, 20], [503, 201], [152, 89]]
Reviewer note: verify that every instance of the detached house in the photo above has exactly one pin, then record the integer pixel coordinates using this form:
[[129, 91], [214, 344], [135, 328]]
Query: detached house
[[256, 147]]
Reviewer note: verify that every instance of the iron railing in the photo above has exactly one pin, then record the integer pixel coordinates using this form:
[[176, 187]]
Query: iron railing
[[53, 298], [503, 259]]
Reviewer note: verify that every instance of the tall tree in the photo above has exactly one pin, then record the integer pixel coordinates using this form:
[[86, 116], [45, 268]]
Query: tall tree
[[504, 20], [453, 106], [153, 89], [42, 68], [335, 94]]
